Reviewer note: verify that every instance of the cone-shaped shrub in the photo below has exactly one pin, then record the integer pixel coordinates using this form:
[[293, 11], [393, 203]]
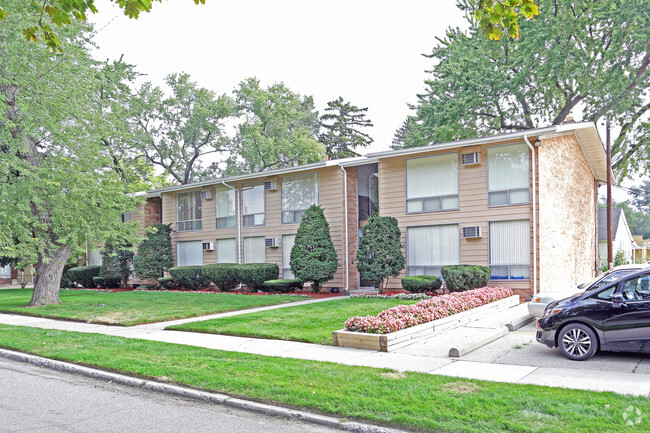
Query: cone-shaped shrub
[[313, 257], [154, 252], [380, 251]]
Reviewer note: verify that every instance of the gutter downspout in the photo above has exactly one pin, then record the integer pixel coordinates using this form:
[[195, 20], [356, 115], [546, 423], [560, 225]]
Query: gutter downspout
[[532, 149], [347, 252], [237, 211]]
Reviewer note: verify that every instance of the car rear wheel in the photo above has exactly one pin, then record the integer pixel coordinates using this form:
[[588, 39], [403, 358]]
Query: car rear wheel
[[578, 342]]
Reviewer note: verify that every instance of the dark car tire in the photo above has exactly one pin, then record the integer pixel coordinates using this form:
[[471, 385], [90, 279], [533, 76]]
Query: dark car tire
[[577, 342]]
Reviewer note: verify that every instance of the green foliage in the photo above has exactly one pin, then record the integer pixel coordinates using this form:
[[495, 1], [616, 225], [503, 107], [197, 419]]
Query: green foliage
[[619, 258], [224, 275], [106, 283], [117, 262], [638, 219], [83, 275], [278, 129], [380, 250], [66, 282], [421, 283], [588, 61], [313, 256], [284, 286], [168, 283], [190, 277], [496, 16], [465, 277], [253, 275], [341, 123], [154, 252]]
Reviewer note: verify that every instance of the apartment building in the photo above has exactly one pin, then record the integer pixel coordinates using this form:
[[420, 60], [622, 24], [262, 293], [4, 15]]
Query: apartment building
[[523, 203]]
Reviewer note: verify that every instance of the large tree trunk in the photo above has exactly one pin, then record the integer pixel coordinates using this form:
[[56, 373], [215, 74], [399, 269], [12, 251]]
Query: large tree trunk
[[46, 286]]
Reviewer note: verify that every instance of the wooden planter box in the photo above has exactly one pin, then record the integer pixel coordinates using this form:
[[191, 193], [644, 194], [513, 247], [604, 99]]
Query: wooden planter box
[[404, 337]]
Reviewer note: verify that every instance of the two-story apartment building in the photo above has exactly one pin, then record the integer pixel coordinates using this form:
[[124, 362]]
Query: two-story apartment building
[[523, 203]]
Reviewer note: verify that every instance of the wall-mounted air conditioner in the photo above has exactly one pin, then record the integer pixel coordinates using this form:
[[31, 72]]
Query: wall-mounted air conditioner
[[472, 232], [470, 158], [270, 186], [272, 242], [208, 246], [206, 195]]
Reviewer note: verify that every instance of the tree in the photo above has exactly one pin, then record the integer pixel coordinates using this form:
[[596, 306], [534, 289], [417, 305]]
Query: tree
[[640, 197], [400, 137], [313, 256], [56, 179], [66, 12], [341, 123], [175, 132], [117, 263], [154, 252], [380, 251], [278, 129], [583, 59], [495, 16]]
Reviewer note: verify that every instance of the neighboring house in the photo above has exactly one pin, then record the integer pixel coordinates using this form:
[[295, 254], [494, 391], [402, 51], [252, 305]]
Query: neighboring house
[[642, 249], [10, 275], [529, 215], [621, 235]]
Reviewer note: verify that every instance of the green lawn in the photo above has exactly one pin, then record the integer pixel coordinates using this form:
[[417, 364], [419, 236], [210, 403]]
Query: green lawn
[[133, 308], [312, 323], [419, 401]]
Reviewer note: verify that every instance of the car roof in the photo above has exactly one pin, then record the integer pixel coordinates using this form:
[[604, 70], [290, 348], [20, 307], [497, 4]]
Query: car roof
[[639, 266]]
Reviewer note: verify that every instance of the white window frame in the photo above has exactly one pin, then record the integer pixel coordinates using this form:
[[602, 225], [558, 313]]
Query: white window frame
[[230, 220], [432, 269], [428, 201], [508, 191], [200, 248], [217, 249], [296, 214], [262, 238], [191, 225], [508, 266], [247, 187]]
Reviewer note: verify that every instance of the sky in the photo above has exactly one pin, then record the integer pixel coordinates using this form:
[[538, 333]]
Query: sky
[[368, 52]]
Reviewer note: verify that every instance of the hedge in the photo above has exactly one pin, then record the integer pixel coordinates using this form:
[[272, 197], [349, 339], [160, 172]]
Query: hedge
[[284, 286], [190, 277], [224, 275], [465, 277], [107, 283], [168, 283], [255, 274], [421, 283], [83, 275]]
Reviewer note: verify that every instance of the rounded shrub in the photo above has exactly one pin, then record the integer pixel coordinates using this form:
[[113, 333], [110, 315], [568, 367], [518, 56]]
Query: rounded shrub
[[168, 283], [253, 275], [107, 283], [284, 286], [83, 275], [459, 278], [223, 275], [421, 283], [190, 277]]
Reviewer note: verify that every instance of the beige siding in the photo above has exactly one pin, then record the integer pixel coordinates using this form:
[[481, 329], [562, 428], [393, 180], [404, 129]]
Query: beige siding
[[330, 189], [473, 209]]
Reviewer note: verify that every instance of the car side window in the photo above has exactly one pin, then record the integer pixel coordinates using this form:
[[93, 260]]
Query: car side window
[[637, 289], [614, 276], [606, 295]]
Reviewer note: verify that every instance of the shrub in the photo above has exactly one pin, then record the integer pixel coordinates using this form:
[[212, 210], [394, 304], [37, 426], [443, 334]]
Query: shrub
[[421, 283], [83, 275], [190, 277], [284, 286], [224, 275], [168, 283], [313, 256], [66, 281], [106, 283], [154, 252], [117, 264], [254, 274], [465, 277], [380, 251]]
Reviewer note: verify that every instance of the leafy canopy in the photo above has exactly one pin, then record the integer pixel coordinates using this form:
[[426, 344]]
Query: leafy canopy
[[495, 16]]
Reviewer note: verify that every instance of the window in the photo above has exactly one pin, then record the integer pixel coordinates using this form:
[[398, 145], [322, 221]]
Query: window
[[5, 271], [510, 250], [254, 250], [95, 258], [188, 211], [189, 253], [637, 289], [429, 248], [287, 245], [253, 204], [508, 175], [127, 217], [432, 183], [299, 192], [226, 250], [224, 199]]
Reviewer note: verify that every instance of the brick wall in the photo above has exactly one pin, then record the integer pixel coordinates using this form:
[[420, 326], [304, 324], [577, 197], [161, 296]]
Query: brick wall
[[353, 224], [152, 211], [567, 214]]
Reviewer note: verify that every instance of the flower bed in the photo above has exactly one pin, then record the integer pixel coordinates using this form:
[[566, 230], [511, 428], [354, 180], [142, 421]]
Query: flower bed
[[405, 316], [404, 296]]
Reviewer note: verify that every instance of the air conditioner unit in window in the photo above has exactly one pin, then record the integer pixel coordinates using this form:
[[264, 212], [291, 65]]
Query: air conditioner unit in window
[[206, 195], [472, 232], [208, 246], [470, 158], [272, 242], [270, 186]]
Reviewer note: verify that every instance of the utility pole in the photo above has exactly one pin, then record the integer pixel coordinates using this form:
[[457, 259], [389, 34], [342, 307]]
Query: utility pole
[[610, 252]]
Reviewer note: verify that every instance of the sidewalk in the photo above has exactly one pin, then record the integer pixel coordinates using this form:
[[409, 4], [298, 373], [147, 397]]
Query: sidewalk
[[621, 383]]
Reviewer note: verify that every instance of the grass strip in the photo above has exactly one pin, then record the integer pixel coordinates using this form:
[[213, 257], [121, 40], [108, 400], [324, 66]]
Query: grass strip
[[418, 401], [312, 323], [133, 308]]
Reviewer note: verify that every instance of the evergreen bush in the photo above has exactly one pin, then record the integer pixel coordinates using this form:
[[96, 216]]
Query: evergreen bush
[[313, 256], [106, 283], [190, 277], [465, 277], [168, 283], [380, 251], [83, 275], [224, 275], [253, 275], [284, 286], [421, 283], [117, 264], [154, 255]]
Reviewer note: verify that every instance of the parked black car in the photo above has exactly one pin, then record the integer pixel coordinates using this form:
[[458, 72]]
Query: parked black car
[[615, 317]]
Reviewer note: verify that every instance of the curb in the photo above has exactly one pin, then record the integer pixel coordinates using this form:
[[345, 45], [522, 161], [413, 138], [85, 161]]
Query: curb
[[204, 396]]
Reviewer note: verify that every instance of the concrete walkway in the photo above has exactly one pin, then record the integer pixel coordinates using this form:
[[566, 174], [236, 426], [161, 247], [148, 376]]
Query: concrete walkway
[[619, 382]]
